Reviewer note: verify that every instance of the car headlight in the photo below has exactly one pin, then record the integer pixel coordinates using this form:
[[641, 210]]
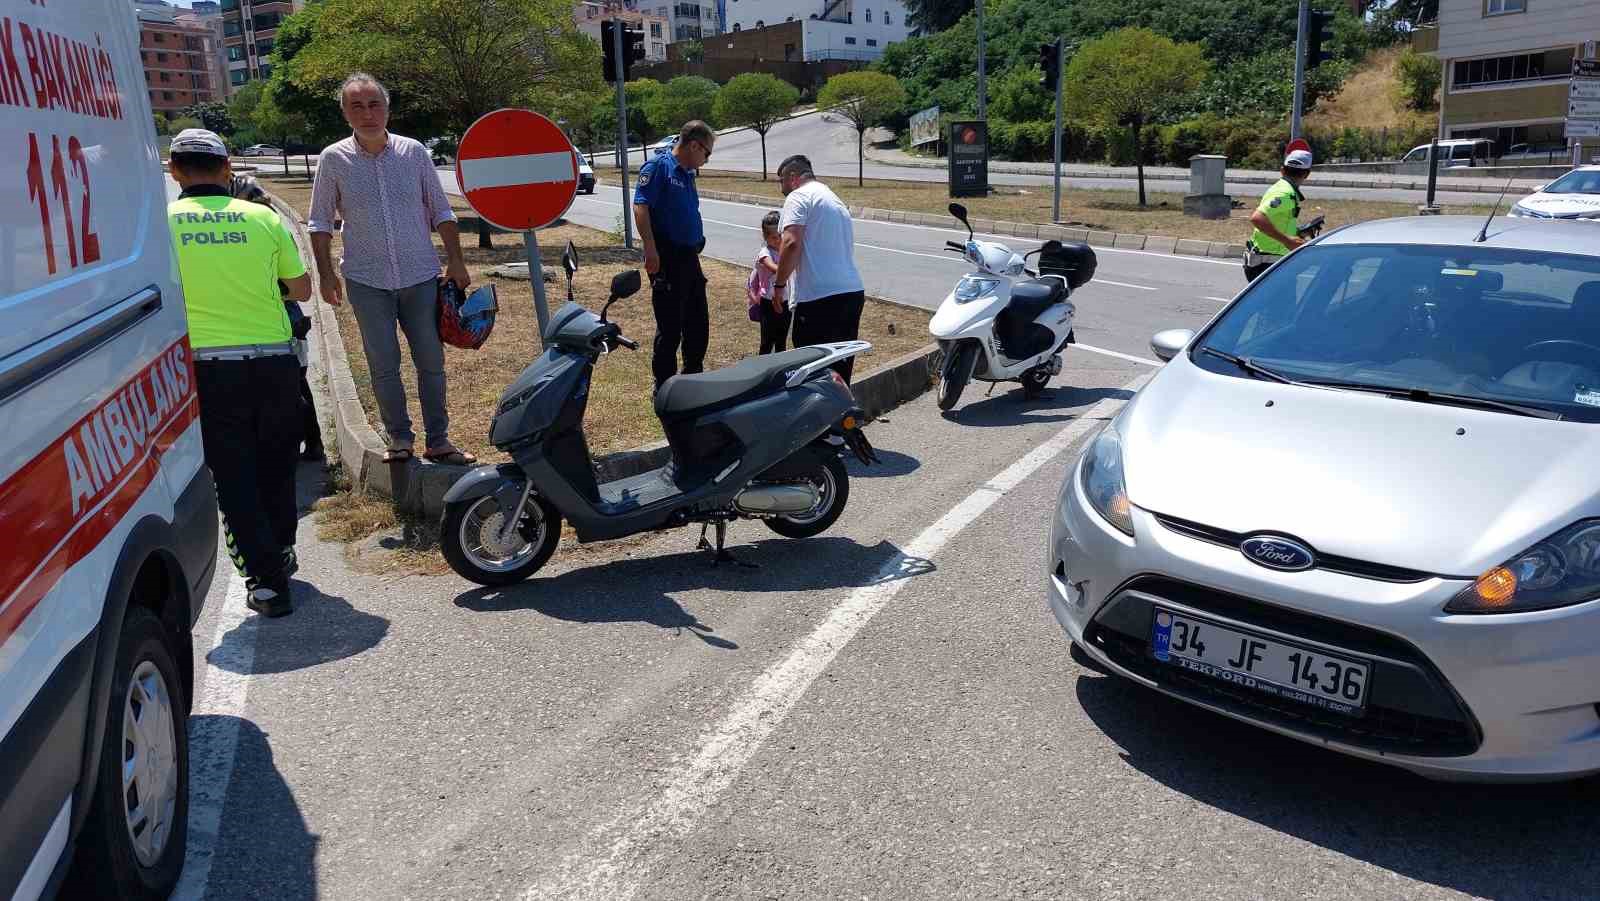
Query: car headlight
[[971, 288], [1103, 483], [1559, 571]]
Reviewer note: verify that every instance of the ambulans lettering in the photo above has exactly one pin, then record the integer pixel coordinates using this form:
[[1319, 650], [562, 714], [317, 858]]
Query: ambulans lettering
[[65, 73], [118, 434]]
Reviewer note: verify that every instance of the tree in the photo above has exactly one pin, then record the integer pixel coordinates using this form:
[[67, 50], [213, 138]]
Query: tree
[[681, 100], [293, 92], [928, 16], [451, 61], [864, 99], [1125, 76], [181, 122], [640, 93], [161, 124], [1417, 79], [1395, 19], [756, 101], [694, 51], [213, 116]]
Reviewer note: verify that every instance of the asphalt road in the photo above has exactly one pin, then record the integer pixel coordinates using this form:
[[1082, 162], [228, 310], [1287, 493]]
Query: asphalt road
[[884, 711], [831, 147]]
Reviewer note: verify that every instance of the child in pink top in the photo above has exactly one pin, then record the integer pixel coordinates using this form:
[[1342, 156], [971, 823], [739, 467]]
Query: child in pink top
[[774, 316]]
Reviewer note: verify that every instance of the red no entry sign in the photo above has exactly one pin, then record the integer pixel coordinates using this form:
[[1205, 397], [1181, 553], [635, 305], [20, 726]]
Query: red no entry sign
[[517, 169]]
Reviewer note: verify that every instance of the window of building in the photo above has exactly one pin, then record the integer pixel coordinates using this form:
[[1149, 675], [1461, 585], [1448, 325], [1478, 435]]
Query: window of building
[[655, 29], [1501, 7], [235, 54], [266, 71], [165, 77], [166, 95], [887, 19], [849, 40], [264, 47], [850, 18], [872, 42], [869, 15], [238, 76], [1521, 67], [788, 52]]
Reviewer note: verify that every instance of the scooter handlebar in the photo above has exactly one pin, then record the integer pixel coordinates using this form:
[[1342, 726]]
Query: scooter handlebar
[[631, 345], [951, 245]]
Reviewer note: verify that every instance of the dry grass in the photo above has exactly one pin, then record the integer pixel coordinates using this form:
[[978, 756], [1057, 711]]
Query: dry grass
[[620, 414], [1367, 100], [1115, 211]]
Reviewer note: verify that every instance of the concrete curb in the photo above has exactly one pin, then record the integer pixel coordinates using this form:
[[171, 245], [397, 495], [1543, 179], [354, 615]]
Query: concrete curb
[[1480, 184], [419, 488]]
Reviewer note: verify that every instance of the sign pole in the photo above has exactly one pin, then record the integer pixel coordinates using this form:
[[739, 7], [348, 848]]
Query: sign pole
[[1061, 69], [622, 134], [983, 94], [541, 308]]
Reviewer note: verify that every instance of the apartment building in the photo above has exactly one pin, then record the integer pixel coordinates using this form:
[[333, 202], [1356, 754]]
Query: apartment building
[[688, 20], [657, 28], [248, 30], [178, 60], [1507, 66], [217, 64], [833, 29]]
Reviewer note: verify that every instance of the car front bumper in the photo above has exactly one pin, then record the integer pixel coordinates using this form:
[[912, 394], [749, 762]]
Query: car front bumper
[[1486, 698]]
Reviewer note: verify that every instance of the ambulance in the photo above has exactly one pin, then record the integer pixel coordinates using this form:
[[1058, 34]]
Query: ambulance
[[108, 521]]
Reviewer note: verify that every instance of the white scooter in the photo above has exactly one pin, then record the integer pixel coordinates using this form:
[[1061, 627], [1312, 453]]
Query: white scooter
[[1004, 322]]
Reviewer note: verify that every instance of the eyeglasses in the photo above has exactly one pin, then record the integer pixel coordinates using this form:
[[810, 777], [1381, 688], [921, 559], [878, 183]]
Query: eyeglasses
[[703, 148]]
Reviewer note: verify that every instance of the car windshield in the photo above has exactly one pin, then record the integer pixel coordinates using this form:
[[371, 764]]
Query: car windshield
[[1582, 181], [1517, 330]]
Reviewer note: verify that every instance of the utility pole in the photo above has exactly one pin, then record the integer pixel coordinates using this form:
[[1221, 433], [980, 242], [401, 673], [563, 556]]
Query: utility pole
[[622, 131], [1053, 65], [983, 95], [1299, 69]]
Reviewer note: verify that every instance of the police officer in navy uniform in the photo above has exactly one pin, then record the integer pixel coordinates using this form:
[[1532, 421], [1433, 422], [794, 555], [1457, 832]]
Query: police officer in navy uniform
[[666, 209]]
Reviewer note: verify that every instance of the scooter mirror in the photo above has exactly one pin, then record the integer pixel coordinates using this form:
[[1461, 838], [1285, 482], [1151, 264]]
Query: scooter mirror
[[960, 212], [625, 284], [569, 260]]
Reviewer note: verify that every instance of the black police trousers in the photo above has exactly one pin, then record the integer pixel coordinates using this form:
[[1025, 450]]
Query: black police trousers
[[678, 297], [250, 426]]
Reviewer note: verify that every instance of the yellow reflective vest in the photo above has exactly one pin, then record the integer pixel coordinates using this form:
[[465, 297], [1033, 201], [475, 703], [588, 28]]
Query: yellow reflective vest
[[1281, 203]]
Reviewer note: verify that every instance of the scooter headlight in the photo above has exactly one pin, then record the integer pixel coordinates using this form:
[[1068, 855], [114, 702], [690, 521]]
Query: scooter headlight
[[972, 287]]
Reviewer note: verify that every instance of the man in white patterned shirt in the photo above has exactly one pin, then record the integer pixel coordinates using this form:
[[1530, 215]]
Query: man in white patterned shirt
[[387, 192]]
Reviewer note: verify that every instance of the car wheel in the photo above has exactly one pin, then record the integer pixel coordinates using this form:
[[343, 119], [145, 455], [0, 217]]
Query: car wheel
[[134, 838]]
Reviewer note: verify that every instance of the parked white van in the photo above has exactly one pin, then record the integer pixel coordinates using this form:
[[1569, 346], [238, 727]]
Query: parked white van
[[107, 511]]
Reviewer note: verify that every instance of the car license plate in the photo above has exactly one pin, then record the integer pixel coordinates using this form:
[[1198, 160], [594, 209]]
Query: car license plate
[[1263, 664]]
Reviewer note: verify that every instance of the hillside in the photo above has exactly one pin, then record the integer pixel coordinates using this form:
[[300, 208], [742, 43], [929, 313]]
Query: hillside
[[1366, 100]]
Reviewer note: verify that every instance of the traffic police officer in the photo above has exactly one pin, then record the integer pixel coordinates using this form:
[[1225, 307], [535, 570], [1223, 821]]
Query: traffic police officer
[[666, 209], [1276, 219], [232, 255]]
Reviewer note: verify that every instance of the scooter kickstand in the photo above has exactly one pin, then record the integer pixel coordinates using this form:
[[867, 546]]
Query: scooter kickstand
[[720, 555]]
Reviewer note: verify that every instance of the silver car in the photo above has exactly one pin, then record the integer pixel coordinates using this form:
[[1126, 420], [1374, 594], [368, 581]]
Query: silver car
[[1362, 506]]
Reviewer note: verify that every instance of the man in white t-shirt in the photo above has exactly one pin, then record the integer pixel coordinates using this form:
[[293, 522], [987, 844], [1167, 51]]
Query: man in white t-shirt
[[818, 251]]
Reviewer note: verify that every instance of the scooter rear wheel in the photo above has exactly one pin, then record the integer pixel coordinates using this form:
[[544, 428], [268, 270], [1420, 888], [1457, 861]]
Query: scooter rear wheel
[[470, 540], [832, 480]]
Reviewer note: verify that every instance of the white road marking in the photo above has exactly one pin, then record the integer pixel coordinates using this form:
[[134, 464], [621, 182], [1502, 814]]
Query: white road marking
[[214, 740], [1217, 299], [614, 859], [1115, 353]]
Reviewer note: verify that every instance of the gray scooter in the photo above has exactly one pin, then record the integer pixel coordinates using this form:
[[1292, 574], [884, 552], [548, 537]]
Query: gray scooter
[[751, 441]]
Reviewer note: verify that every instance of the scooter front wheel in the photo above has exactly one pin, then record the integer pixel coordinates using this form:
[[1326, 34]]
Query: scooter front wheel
[[832, 482], [958, 366], [474, 545]]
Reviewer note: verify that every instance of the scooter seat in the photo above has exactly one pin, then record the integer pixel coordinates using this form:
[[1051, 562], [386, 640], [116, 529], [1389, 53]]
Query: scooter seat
[[683, 396], [1032, 297]]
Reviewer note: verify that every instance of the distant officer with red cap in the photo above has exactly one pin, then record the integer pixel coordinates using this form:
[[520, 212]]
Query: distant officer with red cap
[[1276, 219]]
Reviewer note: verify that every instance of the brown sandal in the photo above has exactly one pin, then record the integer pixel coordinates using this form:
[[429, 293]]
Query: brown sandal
[[451, 456], [397, 455]]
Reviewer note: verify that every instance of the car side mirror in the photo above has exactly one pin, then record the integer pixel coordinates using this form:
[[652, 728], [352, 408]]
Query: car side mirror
[[625, 284], [1168, 344], [569, 260]]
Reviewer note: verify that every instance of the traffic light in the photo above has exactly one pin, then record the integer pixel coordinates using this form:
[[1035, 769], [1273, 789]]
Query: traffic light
[[1050, 62], [632, 48], [1319, 31]]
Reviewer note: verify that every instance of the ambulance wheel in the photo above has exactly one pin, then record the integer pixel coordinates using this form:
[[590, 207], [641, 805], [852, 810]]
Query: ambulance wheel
[[134, 837]]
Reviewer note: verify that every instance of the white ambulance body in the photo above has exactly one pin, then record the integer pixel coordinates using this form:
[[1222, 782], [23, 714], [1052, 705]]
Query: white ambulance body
[[108, 524]]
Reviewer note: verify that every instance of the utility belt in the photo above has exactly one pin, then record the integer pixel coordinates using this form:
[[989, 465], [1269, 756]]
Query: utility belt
[[1254, 257], [674, 249], [244, 352]]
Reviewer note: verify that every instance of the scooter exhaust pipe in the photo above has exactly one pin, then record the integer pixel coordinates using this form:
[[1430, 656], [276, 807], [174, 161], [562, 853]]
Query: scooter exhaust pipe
[[767, 500]]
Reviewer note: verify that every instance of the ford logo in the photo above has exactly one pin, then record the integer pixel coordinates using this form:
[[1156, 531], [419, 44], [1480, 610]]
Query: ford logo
[[1278, 553]]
